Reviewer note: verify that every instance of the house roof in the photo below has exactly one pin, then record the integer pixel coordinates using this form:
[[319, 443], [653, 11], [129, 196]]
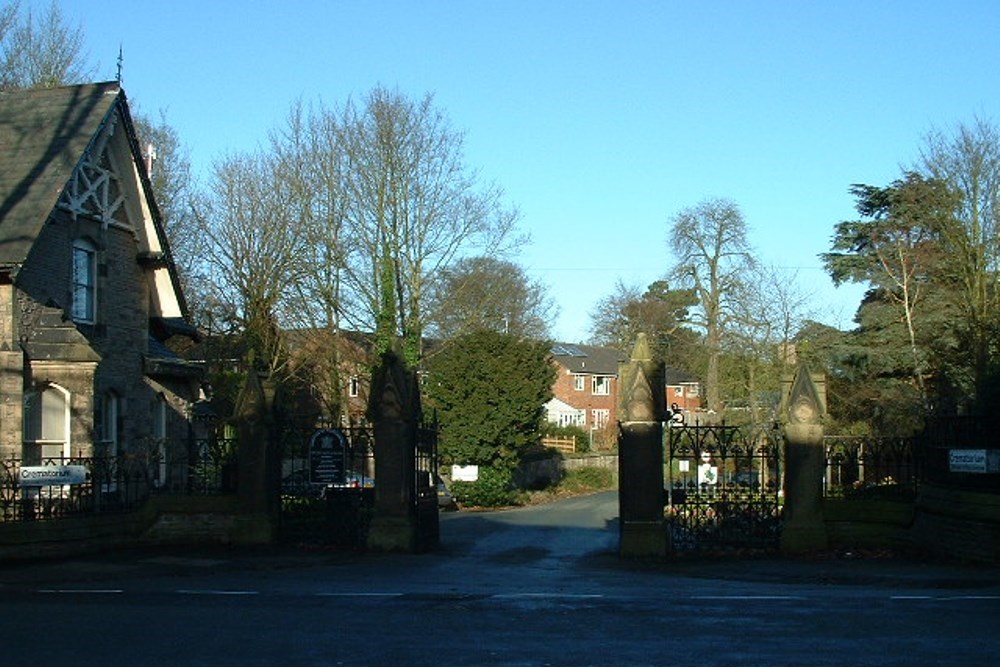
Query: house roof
[[589, 359], [43, 134], [674, 377]]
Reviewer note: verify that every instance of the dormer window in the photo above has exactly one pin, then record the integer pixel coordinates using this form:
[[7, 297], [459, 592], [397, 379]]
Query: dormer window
[[84, 281]]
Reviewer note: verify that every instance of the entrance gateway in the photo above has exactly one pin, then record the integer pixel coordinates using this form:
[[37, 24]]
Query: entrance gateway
[[690, 487], [722, 487]]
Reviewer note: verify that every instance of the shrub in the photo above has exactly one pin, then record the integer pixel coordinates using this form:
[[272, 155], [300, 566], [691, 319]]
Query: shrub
[[494, 488], [591, 478]]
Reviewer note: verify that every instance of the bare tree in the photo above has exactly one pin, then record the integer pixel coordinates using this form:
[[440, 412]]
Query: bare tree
[[254, 251], [40, 50], [767, 311], [415, 207], [485, 293], [712, 258], [660, 312], [968, 159]]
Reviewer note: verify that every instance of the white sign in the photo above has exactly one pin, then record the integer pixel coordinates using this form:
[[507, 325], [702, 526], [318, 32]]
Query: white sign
[[465, 473], [52, 475], [708, 474], [974, 460]]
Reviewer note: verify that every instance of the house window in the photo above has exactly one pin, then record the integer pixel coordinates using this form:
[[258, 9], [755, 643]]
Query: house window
[[106, 424], [599, 418], [678, 391], [601, 385], [160, 438], [84, 281], [106, 440], [46, 421], [354, 387], [693, 390], [578, 382], [575, 418]]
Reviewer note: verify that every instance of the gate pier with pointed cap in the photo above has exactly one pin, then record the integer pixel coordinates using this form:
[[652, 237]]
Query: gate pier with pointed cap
[[642, 406], [395, 412], [803, 527]]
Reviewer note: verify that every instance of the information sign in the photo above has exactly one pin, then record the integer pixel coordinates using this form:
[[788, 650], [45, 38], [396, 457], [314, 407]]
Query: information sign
[[51, 475], [974, 460], [465, 473], [328, 457]]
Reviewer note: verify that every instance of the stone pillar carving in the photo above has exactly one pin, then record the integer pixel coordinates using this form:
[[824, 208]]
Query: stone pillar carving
[[803, 528], [394, 411], [642, 408], [257, 468]]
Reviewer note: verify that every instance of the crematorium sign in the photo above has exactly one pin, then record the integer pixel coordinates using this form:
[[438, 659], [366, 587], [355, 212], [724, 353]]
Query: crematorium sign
[[327, 457]]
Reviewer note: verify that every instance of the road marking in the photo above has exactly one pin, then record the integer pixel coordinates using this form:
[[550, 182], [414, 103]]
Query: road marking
[[564, 596], [358, 595], [185, 591], [944, 597], [748, 597], [88, 591]]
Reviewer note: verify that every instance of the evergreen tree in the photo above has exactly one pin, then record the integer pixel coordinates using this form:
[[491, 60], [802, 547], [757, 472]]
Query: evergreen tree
[[489, 390]]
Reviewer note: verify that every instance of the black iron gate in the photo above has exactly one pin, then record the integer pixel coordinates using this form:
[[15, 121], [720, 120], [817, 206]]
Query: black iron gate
[[723, 487], [328, 485]]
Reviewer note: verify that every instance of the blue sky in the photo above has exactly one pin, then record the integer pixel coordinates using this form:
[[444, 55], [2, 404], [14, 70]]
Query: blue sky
[[601, 120]]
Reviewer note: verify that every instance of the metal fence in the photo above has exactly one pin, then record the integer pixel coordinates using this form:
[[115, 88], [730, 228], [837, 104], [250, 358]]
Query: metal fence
[[56, 487], [722, 486], [873, 467], [329, 499]]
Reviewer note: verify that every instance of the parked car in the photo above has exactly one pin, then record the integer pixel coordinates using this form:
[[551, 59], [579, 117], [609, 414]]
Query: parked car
[[354, 480], [445, 499]]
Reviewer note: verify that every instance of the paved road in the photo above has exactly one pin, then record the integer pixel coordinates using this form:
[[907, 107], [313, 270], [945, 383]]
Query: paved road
[[535, 586]]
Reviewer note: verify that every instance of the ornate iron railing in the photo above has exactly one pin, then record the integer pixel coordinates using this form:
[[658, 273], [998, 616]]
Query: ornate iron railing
[[30, 489], [722, 486], [886, 468]]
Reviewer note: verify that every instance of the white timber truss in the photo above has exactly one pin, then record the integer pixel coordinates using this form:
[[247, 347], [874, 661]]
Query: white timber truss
[[96, 190]]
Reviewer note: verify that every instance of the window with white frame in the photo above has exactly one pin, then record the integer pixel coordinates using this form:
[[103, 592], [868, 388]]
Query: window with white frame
[[354, 386], [46, 420], [599, 418], [106, 423], [106, 437], [84, 281], [578, 382], [601, 385], [678, 391]]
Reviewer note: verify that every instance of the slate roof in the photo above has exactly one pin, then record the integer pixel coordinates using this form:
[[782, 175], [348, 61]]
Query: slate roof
[[675, 377], [43, 134], [588, 358]]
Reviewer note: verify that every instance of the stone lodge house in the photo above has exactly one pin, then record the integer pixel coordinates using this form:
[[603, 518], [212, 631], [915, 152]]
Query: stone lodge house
[[89, 294]]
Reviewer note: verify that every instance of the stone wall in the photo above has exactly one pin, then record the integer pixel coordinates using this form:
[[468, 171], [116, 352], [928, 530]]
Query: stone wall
[[953, 523], [943, 522], [544, 471], [163, 520]]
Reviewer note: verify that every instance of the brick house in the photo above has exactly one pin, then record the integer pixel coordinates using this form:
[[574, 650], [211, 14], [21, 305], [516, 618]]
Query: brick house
[[89, 294], [585, 392], [683, 390]]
